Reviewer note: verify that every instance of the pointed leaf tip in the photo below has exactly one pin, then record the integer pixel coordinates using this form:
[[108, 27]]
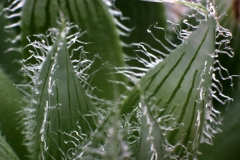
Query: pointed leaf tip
[[60, 103], [180, 87]]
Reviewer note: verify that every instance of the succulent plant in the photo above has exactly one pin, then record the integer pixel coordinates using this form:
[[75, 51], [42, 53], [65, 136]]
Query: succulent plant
[[119, 79]]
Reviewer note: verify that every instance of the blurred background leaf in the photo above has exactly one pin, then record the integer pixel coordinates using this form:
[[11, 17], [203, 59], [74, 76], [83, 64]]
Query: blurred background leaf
[[11, 104], [6, 151], [100, 32], [10, 59], [140, 16]]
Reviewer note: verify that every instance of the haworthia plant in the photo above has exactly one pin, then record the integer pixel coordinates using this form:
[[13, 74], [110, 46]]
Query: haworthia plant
[[93, 18], [84, 102], [180, 86], [59, 105]]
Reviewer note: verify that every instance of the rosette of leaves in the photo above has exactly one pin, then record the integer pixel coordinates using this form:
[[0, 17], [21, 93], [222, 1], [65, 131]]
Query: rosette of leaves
[[167, 112], [179, 88]]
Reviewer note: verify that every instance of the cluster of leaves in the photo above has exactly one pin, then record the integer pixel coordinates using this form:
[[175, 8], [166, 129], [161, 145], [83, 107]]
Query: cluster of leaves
[[100, 79]]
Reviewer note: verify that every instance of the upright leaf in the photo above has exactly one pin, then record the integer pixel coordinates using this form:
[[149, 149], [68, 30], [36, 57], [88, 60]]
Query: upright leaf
[[152, 144], [59, 105], [181, 87], [102, 35]]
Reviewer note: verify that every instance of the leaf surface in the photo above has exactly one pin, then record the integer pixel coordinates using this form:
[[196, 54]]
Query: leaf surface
[[60, 105], [152, 144], [229, 137], [141, 17], [180, 86], [102, 35]]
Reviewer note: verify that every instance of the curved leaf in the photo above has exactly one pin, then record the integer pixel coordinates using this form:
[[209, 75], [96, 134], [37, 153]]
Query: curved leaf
[[106, 142]]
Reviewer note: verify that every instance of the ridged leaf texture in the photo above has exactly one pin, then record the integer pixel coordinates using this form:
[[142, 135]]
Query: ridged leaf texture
[[59, 106], [152, 144], [91, 16], [180, 86]]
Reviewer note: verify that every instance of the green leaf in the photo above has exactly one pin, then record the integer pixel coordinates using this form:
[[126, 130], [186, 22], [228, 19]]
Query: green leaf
[[225, 144], [108, 141], [180, 86], [93, 17], [141, 17], [228, 17], [152, 144], [10, 106], [60, 106], [10, 59], [229, 137], [6, 151]]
